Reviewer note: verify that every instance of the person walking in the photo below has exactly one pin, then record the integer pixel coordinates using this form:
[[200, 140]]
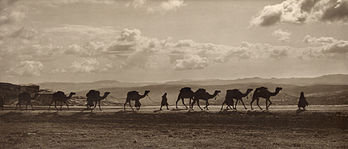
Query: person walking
[[164, 101], [302, 102]]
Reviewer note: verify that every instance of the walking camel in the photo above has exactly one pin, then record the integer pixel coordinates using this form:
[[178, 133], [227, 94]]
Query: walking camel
[[263, 92], [185, 92], [134, 95], [25, 98], [60, 97], [204, 95], [235, 94], [94, 98]]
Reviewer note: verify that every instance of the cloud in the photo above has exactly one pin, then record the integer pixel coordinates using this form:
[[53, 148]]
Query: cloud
[[302, 11], [85, 65], [27, 68], [9, 13], [136, 3], [282, 35], [190, 62], [328, 45], [172, 5]]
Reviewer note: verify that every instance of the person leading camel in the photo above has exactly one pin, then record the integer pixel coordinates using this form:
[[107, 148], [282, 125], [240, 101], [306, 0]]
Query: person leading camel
[[302, 102], [164, 101]]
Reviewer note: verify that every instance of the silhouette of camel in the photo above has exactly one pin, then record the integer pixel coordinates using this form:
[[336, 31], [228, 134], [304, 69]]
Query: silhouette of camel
[[25, 98], [235, 94], [185, 92], [263, 92], [60, 97], [94, 98], [134, 95], [204, 95]]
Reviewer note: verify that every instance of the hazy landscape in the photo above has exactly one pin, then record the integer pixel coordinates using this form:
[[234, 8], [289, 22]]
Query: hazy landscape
[[68, 67]]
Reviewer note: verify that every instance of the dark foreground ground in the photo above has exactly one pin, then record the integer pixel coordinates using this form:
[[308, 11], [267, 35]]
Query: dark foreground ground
[[173, 129]]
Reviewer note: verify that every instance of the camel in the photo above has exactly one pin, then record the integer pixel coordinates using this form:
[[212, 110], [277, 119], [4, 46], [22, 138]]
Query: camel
[[134, 95], [204, 95], [185, 92], [60, 96], [235, 94], [263, 92], [25, 98], [94, 96]]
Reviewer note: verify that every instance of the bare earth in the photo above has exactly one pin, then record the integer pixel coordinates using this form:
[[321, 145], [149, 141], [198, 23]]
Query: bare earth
[[280, 127]]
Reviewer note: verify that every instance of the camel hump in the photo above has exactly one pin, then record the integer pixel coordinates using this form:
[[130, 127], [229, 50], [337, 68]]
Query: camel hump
[[185, 89], [201, 90], [232, 91], [92, 93], [261, 88], [132, 92]]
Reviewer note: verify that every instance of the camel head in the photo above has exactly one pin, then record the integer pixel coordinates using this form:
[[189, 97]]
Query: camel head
[[71, 94], [146, 93], [249, 90], [278, 89], [105, 95], [216, 93]]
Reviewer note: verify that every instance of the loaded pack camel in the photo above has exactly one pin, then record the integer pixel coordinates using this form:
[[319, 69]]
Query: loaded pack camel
[[203, 95], [134, 96], [235, 94], [94, 98], [185, 92], [60, 97], [263, 92], [25, 98]]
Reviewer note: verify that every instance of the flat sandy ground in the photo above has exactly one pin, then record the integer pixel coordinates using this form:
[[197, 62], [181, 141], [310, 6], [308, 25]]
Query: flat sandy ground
[[280, 127]]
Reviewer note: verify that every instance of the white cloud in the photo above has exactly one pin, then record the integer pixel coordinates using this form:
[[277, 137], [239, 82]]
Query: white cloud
[[136, 3], [282, 35], [328, 45], [172, 5], [27, 68], [190, 62], [302, 11], [85, 65]]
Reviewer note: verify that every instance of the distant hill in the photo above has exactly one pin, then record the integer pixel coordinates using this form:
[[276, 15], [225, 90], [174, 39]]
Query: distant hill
[[335, 79], [67, 87]]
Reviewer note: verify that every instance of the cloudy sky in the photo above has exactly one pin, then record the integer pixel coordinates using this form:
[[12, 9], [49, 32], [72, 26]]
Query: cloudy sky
[[159, 40]]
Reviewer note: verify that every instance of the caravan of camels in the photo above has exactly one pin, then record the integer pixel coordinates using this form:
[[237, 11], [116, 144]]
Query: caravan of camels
[[94, 98]]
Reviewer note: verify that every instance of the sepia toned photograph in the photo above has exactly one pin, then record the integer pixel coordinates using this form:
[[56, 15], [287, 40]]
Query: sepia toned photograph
[[168, 74]]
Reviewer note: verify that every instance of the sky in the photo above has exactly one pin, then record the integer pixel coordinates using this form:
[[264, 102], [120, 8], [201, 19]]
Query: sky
[[161, 40]]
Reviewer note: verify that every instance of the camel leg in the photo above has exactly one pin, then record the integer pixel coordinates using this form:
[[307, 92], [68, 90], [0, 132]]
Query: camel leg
[[222, 107], [66, 104], [235, 105], [206, 105], [243, 104], [257, 102], [130, 105], [124, 106], [182, 100], [167, 107], [267, 106], [176, 104], [161, 107], [251, 104], [199, 105], [55, 105], [99, 105]]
